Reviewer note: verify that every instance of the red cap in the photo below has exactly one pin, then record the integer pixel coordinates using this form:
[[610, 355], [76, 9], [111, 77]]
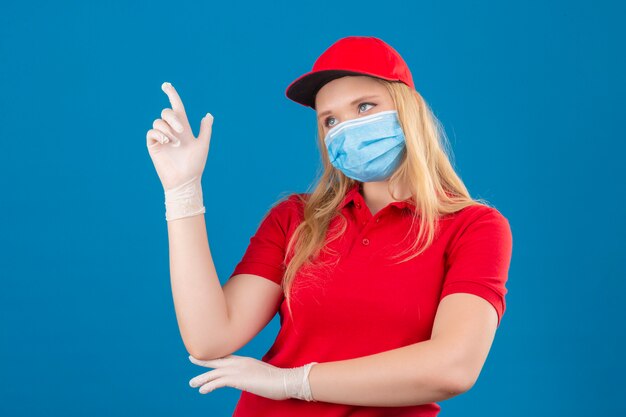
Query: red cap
[[352, 55]]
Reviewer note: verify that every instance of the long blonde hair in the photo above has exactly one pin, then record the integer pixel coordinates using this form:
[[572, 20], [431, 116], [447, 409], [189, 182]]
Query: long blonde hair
[[425, 168]]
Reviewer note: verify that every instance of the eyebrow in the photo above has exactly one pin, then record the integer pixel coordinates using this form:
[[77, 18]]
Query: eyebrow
[[352, 103]]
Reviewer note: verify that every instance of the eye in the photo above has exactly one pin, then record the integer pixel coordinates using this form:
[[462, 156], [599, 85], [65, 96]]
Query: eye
[[326, 122], [365, 104]]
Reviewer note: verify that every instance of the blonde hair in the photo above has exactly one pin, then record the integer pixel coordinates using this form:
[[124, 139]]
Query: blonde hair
[[425, 168]]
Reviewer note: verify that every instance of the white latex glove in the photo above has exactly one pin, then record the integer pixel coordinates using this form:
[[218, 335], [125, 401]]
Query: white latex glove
[[258, 377], [179, 158]]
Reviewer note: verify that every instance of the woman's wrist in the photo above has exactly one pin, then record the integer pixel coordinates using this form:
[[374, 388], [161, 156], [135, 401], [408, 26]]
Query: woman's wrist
[[296, 382], [184, 200]]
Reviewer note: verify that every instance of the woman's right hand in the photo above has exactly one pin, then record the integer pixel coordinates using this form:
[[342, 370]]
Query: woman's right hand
[[176, 154]]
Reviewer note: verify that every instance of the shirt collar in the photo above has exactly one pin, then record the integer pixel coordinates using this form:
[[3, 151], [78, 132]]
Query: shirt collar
[[353, 195]]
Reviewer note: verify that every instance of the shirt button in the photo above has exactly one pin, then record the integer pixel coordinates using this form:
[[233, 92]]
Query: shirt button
[[358, 205], [378, 219], [366, 242]]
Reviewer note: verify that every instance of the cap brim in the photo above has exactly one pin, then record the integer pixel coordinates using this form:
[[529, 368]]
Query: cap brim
[[304, 88]]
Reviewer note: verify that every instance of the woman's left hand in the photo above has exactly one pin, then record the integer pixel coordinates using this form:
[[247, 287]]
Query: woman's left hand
[[258, 377]]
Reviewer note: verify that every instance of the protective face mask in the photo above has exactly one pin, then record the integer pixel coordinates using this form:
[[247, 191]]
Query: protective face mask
[[367, 148]]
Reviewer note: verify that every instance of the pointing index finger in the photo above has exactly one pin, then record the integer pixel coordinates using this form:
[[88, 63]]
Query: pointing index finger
[[177, 103]]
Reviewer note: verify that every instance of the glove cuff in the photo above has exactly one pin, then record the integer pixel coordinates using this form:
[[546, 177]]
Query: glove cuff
[[184, 200], [300, 389], [306, 388]]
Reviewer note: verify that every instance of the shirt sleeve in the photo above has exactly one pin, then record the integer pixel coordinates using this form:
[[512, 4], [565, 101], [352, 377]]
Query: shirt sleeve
[[479, 258], [266, 250]]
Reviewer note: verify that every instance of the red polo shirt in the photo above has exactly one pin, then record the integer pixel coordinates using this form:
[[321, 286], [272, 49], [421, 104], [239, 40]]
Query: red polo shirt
[[367, 304]]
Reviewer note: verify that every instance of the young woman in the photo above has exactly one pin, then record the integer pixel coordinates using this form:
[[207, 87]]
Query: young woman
[[388, 277]]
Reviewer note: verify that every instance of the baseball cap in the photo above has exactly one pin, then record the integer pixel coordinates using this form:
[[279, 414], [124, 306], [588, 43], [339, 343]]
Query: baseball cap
[[352, 55]]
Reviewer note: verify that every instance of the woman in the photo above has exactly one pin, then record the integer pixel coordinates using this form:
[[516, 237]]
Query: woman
[[389, 278]]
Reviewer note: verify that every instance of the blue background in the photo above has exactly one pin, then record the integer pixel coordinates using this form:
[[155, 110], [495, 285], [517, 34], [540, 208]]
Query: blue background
[[531, 96]]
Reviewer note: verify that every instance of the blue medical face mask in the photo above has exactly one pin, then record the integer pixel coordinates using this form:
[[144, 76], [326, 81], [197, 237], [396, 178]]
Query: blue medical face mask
[[367, 148]]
